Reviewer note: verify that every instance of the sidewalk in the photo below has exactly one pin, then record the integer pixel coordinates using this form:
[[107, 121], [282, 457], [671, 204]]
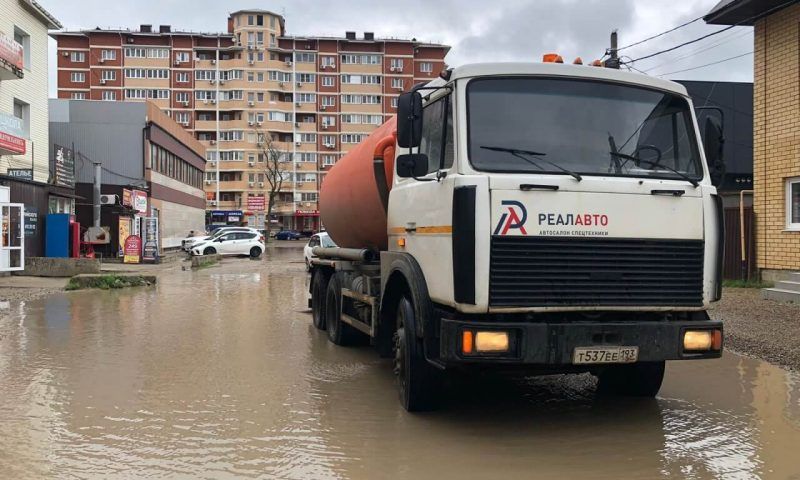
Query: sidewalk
[[27, 288]]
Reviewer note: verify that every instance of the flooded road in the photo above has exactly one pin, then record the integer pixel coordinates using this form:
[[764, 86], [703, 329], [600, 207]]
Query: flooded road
[[218, 373]]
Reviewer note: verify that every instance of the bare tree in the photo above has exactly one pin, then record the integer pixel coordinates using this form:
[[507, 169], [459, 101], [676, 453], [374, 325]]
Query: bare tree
[[275, 162]]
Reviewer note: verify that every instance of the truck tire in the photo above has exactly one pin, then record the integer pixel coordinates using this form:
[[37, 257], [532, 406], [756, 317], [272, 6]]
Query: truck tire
[[635, 380], [319, 288], [419, 383], [339, 332]]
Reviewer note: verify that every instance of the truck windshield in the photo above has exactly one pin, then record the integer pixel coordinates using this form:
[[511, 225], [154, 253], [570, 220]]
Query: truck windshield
[[584, 127]]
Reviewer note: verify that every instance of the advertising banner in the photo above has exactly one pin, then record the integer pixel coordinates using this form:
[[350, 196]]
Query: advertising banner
[[150, 250], [256, 203], [31, 221], [133, 249], [11, 52], [127, 198], [124, 232], [12, 141], [23, 173], [64, 166], [140, 201]]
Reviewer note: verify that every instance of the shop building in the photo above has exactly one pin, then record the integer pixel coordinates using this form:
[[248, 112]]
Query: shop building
[[316, 97], [151, 169]]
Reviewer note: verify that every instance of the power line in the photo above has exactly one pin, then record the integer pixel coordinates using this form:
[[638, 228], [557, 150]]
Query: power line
[[740, 22], [729, 38], [660, 34], [707, 64]]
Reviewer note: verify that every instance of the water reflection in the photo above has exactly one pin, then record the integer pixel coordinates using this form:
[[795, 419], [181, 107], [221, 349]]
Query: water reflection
[[218, 373]]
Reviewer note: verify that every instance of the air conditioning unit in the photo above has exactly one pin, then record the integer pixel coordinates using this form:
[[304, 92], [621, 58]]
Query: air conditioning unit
[[392, 69], [102, 81], [102, 60], [259, 123], [261, 184], [186, 103], [213, 101], [251, 123], [297, 104], [65, 54], [222, 82], [130, 39], [252, 164], [212, 81], [250, 184], [252, 62], [213, 142], [250, 47], [298, 143], [213, 61], [299, 84], [252, 104], [177, 62], [323, 108], [213, 203], [323, 67], [108, 199], [330, 145], [324, 126], [289, 63], [297, 124]]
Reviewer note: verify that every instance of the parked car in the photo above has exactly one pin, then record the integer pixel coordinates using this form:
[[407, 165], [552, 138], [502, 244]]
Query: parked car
[[188, 243], [232, 243], [288, 235], [322, 239]]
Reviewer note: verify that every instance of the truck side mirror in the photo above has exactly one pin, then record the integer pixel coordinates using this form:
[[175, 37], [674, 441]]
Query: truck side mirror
[[412, 165], [713, 144], [409, 120]]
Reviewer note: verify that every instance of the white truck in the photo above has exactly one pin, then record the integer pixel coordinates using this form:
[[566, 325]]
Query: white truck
[[546, 217]]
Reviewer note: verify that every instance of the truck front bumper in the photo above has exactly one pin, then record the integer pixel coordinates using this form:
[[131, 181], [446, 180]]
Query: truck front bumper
[[554, 343]]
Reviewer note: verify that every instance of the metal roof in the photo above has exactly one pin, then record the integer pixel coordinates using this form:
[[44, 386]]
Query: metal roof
[[744, 12], [47, 18]]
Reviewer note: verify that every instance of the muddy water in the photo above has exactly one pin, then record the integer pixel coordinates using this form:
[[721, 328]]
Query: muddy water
[[218, 374]]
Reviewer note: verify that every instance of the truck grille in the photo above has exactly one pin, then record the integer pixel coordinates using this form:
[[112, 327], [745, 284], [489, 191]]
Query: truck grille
[[548, 271]]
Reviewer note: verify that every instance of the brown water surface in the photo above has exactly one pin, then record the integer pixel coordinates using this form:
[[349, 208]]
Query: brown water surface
[[218, 373]]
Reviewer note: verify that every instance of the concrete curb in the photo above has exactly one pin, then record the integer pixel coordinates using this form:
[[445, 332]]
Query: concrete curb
[[110, 281]]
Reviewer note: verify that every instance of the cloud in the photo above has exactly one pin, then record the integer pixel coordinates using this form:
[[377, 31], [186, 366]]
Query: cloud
[[478, 31]]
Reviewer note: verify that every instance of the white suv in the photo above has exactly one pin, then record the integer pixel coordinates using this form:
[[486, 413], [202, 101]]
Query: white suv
[[232, 243]]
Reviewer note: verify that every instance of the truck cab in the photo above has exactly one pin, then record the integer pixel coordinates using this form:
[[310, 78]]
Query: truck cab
[[559, 218]]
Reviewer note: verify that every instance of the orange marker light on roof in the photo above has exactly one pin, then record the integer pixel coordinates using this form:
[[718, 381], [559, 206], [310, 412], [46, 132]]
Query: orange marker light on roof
[[597, 63], [550, 58], [577, 61]]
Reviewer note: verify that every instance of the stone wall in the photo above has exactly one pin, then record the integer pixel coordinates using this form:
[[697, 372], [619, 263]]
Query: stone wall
[[59, 267]]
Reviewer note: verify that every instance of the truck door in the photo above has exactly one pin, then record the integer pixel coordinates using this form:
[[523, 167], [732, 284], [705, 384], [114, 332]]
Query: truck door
[[420, 211], [12, 240]]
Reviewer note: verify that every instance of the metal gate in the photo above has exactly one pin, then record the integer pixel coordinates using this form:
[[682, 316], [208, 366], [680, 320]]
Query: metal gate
[[736, 266], [12, 237]]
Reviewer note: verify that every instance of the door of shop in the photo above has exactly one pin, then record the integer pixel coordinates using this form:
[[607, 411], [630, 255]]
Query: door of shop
[[12, 237]]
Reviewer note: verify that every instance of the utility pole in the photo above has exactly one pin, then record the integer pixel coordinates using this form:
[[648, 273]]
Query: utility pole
[[613, 58], [216, 104], [98, 171]]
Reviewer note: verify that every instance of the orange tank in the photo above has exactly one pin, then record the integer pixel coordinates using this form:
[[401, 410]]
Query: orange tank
[[350, 203]]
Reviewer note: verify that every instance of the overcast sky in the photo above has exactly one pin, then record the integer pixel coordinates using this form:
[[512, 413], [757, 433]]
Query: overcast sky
[[508, 30]]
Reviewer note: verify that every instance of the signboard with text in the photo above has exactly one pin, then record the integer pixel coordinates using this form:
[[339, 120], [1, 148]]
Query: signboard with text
[[127, 198], [12, 133], [22, 173], [256, 203], [31, 221], [133, 249], [150, 250], [63, 166], [140, 201], [124, 231], [11, 52]]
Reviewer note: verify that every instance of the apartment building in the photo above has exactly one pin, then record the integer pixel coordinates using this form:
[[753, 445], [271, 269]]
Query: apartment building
[[315, 97]]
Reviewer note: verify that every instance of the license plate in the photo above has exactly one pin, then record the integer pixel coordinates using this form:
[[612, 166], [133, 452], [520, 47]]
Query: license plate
[[584, 355]]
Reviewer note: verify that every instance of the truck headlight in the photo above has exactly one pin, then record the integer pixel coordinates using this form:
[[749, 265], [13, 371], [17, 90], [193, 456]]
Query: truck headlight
[[477, 342]]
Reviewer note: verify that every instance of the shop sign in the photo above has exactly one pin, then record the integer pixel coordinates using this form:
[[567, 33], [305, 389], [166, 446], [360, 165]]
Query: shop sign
[[308, 213], [12, 141], [133, 249], [11, 52], [31, 221], [64, 166], [256, 203], [127, 198], [22, 173], [124, 232], [140, 201]]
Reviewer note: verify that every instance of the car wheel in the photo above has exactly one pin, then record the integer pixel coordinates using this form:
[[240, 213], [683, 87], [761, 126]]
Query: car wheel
[[255, 252], [209, 251]]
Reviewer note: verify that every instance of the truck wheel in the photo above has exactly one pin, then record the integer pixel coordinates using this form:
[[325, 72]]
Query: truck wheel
[[634, 380], [339, 332], [319, 287], [418, 382]]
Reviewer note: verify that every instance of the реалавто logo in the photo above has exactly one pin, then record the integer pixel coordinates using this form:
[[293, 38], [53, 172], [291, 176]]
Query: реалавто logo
[[511, 219]]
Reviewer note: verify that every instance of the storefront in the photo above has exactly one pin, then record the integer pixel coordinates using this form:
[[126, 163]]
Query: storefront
[[221, 218]]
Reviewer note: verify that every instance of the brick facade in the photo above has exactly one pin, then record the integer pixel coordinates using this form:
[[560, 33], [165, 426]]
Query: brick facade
[[776, 141]]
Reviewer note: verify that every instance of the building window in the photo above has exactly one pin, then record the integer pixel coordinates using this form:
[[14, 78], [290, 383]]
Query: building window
[[23, 111], [109, 95], [182, 77], [305, 57], [25, 40], [78, 96], [78, 57], [396, 64], [426, 67], [397, 83], [793, 204], [108, 55], [394, 102], [77, 77], [135, 52], [108, 75], [328, 81], [182, 57], [182, 97], [328, 61]]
